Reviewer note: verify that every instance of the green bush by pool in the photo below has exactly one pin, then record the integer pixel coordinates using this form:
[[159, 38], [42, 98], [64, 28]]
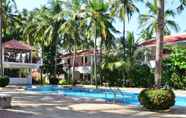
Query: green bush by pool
[[4, 81], [157, 99]]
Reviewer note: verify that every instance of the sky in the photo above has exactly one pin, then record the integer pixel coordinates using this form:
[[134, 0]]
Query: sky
[[132, 26]]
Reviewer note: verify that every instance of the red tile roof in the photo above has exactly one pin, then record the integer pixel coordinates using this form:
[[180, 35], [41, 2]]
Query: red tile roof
[[168, 40], [14, 44]]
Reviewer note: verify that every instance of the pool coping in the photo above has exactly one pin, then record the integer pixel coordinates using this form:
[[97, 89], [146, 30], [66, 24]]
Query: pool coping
[[181, 93]]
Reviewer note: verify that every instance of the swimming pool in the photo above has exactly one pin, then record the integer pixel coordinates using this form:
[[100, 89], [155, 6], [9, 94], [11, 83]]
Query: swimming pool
[[109, 95]]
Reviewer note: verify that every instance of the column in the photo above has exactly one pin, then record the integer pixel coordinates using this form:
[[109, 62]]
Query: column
[[30, 56]]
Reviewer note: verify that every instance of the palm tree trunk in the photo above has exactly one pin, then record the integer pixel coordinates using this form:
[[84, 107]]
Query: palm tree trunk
[[55, 59], [124, 41], [73, 64], [159, 42], [95, 60], [1, 53], [41, 68]]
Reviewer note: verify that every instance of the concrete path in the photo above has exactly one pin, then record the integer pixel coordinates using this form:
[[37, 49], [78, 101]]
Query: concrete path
[[27, 105]]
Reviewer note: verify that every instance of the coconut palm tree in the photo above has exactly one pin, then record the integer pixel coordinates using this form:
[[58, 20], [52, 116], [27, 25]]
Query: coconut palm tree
[[181, 6], [72, 29], [5, 15], [99, 25], [124, 9], [9, 17], [159, 40], [148, 21], [45, 29], [1, 60]]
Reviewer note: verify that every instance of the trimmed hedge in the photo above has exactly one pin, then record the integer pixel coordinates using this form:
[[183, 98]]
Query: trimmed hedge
[[157, 99], [4, 81]]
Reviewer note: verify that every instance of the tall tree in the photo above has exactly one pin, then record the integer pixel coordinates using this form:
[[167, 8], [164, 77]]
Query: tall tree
[[10, 18], [148, 22], [45, 28], [5, 15], [99, 26], [72, 30], [159, 41], [124, 9], [181, 6], [1, 60]]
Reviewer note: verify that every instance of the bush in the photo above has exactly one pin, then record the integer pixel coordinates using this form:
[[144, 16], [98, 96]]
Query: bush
[[142, 76], [157, 99], [174, 68], [54, 81], [4, 81], [177, 81], [63, 82]]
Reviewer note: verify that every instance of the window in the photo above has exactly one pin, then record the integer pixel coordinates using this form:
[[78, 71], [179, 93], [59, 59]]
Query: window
[[82, 60], [68, 61], [86, 60]]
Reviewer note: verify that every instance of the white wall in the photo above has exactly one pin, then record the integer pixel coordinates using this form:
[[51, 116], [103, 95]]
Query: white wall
[[20, 81]]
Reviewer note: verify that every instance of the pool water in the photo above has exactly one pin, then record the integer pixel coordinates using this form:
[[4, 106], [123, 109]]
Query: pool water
[[108, 95]]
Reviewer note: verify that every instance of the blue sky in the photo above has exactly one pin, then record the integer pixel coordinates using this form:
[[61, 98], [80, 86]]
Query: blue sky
[[131, 26]]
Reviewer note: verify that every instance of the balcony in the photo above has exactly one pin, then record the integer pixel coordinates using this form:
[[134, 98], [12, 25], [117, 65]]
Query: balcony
[[77, 64], [20, 59]]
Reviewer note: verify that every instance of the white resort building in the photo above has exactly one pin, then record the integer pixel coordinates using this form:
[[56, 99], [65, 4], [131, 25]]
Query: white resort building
[[171, 40], [18, 62], [83, 63]]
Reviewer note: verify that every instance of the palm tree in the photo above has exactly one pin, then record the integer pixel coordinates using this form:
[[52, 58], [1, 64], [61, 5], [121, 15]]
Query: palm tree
[[45, 29], [148, 21], [99, 26], [114, 59], [181, 6], [9, 17], [1, 60], [5, 8], [124, 9], [72, 30], [71, 34], [159, 41]]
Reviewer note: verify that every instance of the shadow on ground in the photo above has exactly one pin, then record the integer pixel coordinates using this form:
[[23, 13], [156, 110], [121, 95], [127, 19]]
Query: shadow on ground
[[55, 106]]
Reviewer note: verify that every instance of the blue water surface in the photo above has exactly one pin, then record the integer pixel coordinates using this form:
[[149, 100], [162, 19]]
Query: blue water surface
[[109, 95]]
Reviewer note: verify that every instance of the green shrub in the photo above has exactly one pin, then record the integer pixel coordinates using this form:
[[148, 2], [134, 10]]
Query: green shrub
[[177, 81], [63, 82], [142, 76], [4, 81], [157, 99], [53, 81], [174, 68]]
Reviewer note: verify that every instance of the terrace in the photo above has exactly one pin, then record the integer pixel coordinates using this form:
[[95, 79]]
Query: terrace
[[18, 55]]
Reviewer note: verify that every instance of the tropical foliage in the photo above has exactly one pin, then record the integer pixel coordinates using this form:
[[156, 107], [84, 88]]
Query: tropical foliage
[[148, 22], [174, 68], [89, 24]]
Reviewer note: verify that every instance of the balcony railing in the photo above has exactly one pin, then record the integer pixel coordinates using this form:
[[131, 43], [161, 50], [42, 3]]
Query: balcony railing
[[34, 60], [78, 64]]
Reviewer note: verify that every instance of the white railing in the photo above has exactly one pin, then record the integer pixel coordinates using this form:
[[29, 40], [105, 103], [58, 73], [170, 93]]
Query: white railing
[[21, 65], [20, 81]]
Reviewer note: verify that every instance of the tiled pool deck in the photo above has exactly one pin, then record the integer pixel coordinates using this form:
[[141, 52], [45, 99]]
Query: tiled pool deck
[[28, 105]]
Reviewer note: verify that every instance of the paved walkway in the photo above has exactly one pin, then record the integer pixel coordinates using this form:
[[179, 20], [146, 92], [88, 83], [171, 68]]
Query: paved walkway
[[27, 105]]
